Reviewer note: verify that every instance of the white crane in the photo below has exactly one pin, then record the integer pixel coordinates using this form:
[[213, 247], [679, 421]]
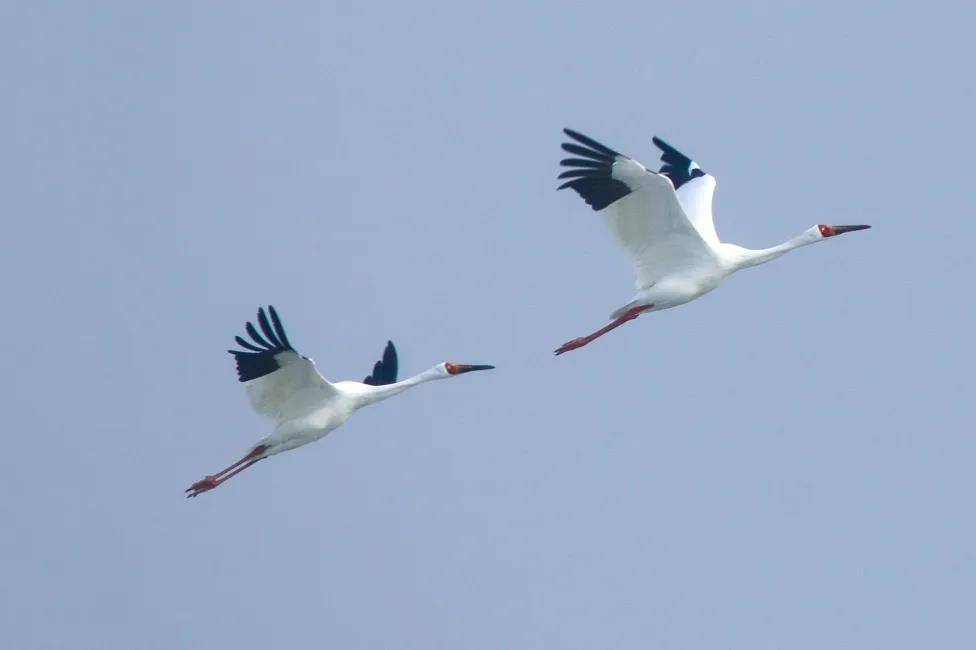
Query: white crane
[[663, 221], [285, 386]]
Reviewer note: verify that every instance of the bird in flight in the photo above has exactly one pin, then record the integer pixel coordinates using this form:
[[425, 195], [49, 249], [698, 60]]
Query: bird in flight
[[285, 386], [663, 221]]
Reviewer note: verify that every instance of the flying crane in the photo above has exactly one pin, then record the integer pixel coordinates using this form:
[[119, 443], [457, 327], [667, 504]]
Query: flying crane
[[663, 221], [285, 386]]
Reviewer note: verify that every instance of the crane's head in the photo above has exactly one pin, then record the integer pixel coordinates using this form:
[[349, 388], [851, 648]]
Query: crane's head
[[450, 369], [831, 231]]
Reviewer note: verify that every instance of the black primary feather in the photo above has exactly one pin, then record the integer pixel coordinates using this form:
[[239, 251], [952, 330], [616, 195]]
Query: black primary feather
[[266, 328], [249, 346], [258, 357], [384, 370], [593, 173], [278, 327], [588, 153], [581, 162], [253, 333], [591, 143], [675, 165]]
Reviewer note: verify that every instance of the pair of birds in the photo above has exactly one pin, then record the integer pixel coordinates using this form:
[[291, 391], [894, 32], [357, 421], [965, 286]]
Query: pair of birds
[[663, 222]]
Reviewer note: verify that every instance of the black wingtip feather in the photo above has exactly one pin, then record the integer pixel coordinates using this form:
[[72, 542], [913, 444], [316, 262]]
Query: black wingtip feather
[[278, 327], [260, 359], [266, 328], [588, 153], [252, 366], [675, 165], [581, 162], [248, 346], [593, 173], [662, 145], [576, 173], [253, 333], [598, 192], [384, 370], [590, 142]]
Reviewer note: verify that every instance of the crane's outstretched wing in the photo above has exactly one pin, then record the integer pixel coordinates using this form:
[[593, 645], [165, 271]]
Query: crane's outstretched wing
[[384, 370], [694, 188], [643, 211], [280, 382]]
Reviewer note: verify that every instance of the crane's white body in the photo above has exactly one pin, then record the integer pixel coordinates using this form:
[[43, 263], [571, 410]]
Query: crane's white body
[[663, 222], [306, 407], [670, 238]]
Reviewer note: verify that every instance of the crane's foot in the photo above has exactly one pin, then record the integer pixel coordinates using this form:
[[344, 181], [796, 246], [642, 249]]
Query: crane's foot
[[572, 345], [211, 481], [628, 315], [205, 484]]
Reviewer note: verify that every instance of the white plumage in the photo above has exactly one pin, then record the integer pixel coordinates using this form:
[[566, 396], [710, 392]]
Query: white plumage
[[663, 222], [304, 405], [295, 387]]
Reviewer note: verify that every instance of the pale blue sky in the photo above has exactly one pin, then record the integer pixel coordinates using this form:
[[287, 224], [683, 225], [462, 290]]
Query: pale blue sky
[[786, 463]]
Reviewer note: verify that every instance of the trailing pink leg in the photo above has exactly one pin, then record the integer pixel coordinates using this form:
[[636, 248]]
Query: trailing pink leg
[[211, 481], [628, 315]]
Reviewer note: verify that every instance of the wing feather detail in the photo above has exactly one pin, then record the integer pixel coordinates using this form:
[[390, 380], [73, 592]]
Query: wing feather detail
[[641, 208], [280, 382], [384, 370]]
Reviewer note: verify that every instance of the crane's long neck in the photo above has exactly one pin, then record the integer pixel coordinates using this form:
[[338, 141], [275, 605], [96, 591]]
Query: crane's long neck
[[746, 257], [380, 393]]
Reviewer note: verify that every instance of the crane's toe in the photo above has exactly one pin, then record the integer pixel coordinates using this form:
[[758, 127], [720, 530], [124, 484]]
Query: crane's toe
[[201, 486], [571, 345]]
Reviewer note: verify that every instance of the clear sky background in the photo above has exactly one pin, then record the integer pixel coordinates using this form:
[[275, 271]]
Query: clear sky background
[[786, 463]]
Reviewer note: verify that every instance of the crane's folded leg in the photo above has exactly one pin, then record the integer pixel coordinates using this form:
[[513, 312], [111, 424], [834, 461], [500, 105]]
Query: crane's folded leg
[[628, 315], [211, 481]]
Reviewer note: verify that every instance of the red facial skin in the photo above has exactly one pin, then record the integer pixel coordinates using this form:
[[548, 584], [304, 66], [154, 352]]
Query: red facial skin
[[826, 231]]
